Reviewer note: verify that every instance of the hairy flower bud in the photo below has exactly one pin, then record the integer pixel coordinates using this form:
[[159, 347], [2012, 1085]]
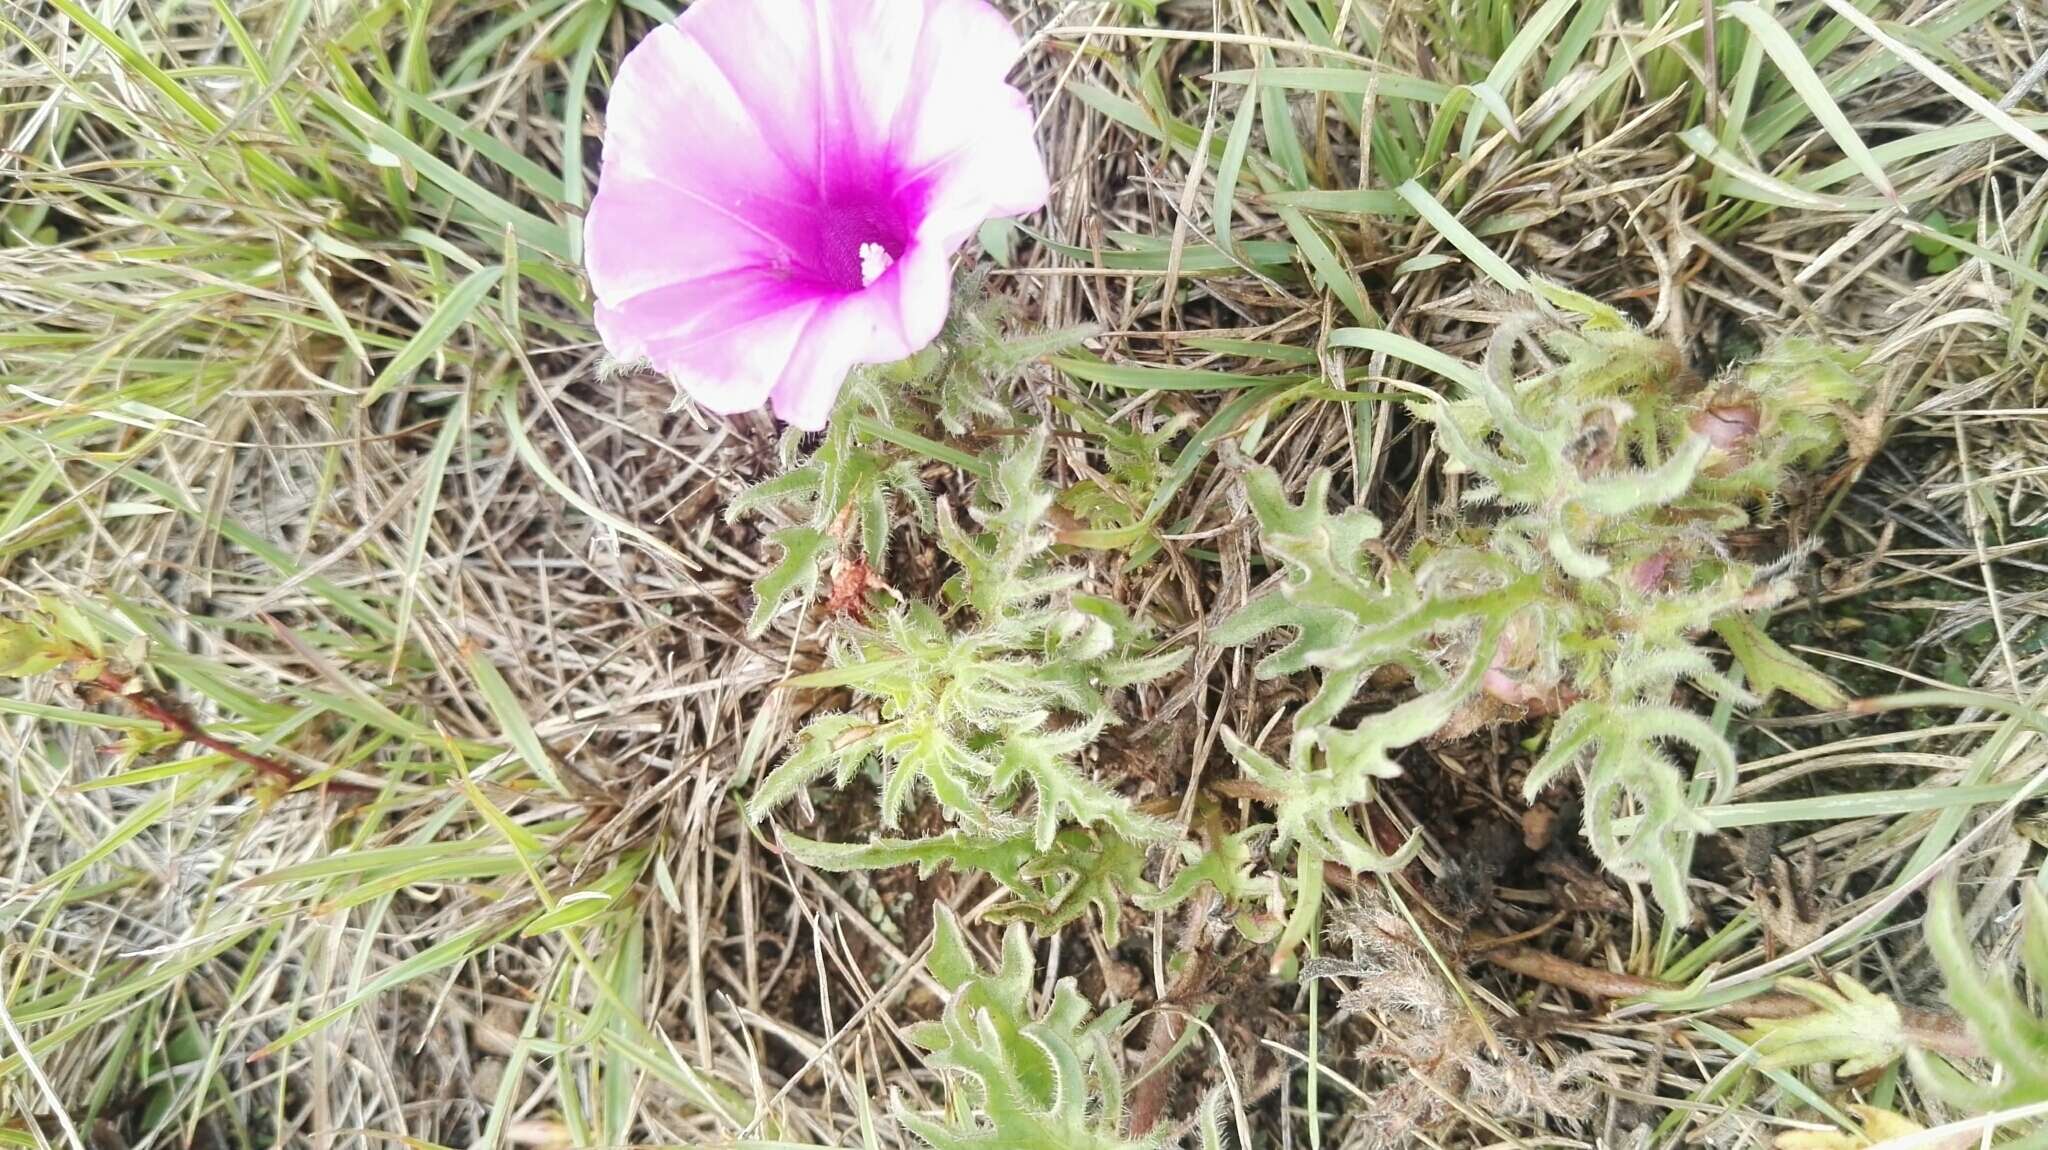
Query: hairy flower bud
[[1728, 426]]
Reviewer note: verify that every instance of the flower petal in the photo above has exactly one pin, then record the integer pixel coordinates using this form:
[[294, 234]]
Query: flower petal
[[772, 63], [879, 78], [641, 235], [1001, 174], [968, 111], [850, 330], [675, 116], [915, 294], [723, 339], [785, 183]]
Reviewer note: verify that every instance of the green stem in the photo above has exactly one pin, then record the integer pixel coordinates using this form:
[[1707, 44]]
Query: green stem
[[1308, 903]]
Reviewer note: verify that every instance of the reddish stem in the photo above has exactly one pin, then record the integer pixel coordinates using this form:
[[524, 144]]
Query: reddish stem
[[168, 716], [1155, 1085]]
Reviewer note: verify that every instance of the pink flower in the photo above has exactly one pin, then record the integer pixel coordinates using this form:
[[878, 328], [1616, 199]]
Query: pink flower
[[785, 183]]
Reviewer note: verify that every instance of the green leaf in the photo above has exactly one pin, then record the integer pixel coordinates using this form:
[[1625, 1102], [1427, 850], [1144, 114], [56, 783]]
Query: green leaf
[[452, 314], [1811, 89], [951, 963], [1860, 1030], [25, 649], [988, 705], [542, 235], [2015, 1038], [833, 743], [1460, 237], [591, 901], [1045, 1079], [512, 718], [1770, 667], [1403, 348], [1142, 377], [804, 553], [1227, 867], [1333, 270], [1002, 858]]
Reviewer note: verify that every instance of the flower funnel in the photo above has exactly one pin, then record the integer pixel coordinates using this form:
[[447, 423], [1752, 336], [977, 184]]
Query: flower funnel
[[785, 183]]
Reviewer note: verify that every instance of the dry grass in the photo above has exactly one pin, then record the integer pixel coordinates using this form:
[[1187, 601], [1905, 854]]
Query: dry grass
[[490, 586]]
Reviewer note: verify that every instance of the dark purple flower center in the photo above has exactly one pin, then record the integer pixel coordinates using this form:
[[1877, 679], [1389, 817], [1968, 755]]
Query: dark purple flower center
[[853, 243]]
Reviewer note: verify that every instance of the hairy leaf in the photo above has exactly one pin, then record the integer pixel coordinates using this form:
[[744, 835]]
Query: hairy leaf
[[1046, 1078], [1603, 481], [988, 702]]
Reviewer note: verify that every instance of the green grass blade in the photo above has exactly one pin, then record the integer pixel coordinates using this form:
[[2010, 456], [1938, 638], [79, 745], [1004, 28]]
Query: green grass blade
[[512, 719], [1792, 63], [1461, 238], [452, 314], [1403, 348]]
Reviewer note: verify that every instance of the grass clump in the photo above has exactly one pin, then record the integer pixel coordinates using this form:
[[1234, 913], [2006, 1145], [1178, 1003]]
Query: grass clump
[[388, 693]]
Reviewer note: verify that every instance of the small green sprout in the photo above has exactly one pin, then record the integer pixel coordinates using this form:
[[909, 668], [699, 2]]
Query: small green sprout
[[1044, 1080], [1853, 1026]]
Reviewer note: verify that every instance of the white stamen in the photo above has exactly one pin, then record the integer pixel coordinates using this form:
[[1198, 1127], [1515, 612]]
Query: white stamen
[[874, 260]]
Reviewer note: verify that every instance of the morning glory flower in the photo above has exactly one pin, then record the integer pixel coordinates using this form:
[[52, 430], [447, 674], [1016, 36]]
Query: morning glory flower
[[785, 183]]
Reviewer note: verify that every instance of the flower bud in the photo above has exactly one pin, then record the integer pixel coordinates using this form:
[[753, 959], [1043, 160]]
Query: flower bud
[[1728, 426]]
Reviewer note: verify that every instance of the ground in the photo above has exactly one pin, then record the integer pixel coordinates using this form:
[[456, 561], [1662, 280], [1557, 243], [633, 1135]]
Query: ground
[[387, 784]]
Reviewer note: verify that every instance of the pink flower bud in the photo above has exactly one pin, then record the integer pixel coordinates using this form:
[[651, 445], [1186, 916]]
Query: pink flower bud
[[1728, 426], [1509, 687], [1649, 574]]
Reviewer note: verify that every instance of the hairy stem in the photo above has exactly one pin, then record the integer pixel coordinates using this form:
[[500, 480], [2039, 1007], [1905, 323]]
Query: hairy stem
[[1154, 1085]]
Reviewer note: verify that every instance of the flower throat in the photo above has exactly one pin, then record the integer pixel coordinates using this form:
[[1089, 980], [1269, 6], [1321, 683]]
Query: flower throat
[[856, 244]]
